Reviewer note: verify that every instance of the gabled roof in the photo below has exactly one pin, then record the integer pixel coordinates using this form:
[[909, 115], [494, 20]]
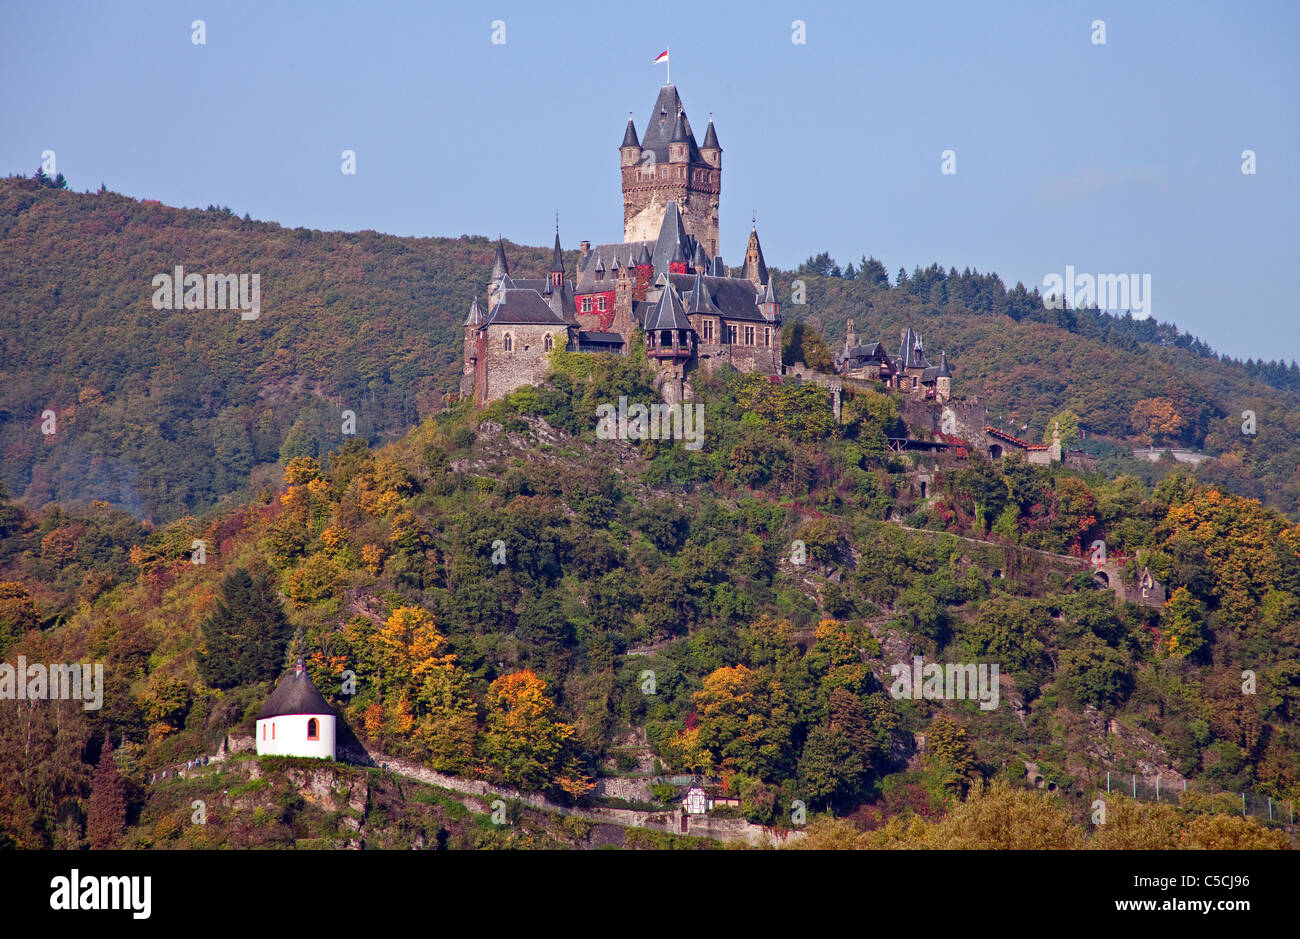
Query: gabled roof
[[734, 297], [295, 694], [613, 256], [910, 354], [863, 356], [698, 300], [668, 313], [521, 307]]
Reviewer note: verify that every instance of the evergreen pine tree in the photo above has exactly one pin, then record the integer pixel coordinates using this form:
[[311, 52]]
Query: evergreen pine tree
[[245, 637], [106, 822]]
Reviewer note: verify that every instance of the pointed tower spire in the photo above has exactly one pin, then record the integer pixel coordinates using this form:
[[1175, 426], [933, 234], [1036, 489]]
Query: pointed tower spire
[[475, 317], [630, 138], [711, 137], [501, 267], [679, 129], [755, 270], [557, 257]]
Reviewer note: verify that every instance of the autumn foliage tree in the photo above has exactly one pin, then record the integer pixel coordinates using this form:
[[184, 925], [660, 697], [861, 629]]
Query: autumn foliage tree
[[106, 821], [523, 741], [1157, 419]]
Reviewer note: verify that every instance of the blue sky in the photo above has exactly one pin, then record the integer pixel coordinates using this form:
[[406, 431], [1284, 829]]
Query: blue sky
[[1117, 158]]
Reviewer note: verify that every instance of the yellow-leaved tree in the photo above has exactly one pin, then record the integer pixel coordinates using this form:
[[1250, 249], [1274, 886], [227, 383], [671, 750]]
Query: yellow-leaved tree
[[523, 741]]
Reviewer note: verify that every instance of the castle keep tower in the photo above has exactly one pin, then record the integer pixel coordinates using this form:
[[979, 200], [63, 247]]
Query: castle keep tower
[[667, 165]]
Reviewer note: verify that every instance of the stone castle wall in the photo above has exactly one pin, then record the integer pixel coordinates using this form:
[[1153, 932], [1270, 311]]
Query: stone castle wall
[[501, 372]]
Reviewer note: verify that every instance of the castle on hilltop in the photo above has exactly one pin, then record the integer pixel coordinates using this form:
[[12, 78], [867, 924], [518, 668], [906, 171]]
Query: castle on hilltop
[[665, 278]]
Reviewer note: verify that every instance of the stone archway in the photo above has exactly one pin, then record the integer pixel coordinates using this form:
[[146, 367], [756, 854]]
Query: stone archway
[[1101, 579], [995, 452]]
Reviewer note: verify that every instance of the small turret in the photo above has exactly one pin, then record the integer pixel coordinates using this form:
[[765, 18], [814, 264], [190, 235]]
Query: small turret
[[943, 379], [711, 150], [770, 306], [630, 149], [679, 147], [701, 261]]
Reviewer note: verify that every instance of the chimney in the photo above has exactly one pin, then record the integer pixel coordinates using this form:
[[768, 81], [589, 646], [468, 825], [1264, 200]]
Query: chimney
[[585, 247]]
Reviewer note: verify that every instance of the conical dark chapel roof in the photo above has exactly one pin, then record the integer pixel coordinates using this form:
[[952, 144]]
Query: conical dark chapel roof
[[295, 694]]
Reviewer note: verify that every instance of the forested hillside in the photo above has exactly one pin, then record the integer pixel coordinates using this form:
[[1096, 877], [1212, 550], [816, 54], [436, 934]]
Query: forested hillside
[[500, 583], [165, 412]]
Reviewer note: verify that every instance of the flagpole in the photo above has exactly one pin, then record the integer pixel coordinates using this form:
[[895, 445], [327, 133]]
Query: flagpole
[[669, 62]]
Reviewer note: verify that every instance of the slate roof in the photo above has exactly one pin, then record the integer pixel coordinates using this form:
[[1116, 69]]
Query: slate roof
[[698, 300], [521, 307], [475, 317], [663, 121], [557, 256], [909, 355], [629, 135], [672, 238], [538, 284], [500, 267], [619, 253], [862, 356], [710, 138], [584, 336], [295, 694], [734, 297], [668, 312]]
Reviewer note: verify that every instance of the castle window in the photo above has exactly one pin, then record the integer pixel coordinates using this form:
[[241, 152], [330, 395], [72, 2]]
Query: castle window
[[313, 729], [733, 334], [913, 382], [708, 330], [600, 304], [263, 731], [548, 342], [273, 730], [600, 275], [508, 342], [749, 335], [767, 336], [663, 174], [586, 304], [681, 172]]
